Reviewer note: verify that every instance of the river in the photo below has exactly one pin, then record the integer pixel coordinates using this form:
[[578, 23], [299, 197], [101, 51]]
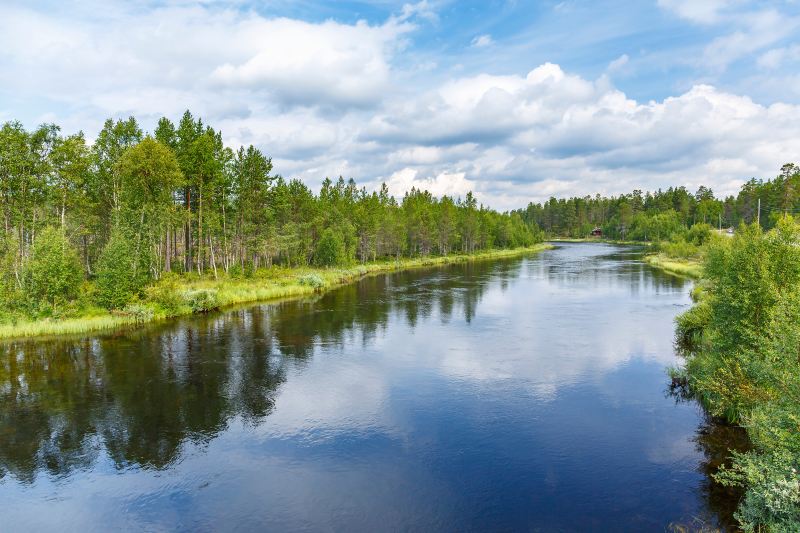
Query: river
[[523, 394]]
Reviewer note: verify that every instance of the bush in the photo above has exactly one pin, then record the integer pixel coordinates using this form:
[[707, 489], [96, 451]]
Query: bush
[[166, 293], [119, 278], [691, 325], [236, 271], [313, 280], [330, 249], [699, 234], [54, 272], [202, 300], [140, 312], [680, 249], [9, 267]]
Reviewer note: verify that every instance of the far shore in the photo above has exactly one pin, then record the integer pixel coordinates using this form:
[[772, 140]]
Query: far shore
[[279, 283]]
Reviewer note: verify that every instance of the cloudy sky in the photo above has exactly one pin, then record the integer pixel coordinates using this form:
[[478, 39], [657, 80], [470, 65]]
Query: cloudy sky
[[516, 100]]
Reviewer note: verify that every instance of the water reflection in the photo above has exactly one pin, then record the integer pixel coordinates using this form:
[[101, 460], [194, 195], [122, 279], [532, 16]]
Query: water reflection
[[512, 394], [140, 394]]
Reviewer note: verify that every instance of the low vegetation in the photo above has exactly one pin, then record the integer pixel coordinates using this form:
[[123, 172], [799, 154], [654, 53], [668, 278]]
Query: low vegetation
[[742, 347], [175, 295]]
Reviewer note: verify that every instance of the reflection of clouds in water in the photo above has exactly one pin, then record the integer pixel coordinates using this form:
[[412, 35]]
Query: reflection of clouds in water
[[674, 450], [535, 332], [331, 397], [550, 333]]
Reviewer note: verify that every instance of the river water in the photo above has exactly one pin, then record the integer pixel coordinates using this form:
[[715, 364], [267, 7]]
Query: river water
[[526, 394]]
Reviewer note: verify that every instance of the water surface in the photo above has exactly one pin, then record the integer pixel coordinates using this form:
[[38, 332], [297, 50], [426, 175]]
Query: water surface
[[524, 394]]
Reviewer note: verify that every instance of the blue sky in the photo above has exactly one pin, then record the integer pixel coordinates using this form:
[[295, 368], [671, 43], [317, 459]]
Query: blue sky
[[515, 100]]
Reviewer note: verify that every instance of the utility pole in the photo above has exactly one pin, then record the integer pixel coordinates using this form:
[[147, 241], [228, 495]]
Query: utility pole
[[720, 222], [759, 212]]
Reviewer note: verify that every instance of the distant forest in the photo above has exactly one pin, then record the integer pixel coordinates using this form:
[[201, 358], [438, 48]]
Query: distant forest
[[659, 215]]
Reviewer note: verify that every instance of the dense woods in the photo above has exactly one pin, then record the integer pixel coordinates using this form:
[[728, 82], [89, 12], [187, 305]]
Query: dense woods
[[654, 216], [131, 206]]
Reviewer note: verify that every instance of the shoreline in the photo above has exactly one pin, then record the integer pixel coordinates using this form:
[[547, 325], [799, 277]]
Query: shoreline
[[679, 267], [278, 283], [599, 240]]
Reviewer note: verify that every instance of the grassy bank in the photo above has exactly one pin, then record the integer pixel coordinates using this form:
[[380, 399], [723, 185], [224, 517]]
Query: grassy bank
[[191, 295], [682, 267]]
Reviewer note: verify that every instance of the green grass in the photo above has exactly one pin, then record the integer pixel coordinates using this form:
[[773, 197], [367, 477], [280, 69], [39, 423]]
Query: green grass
[[681, 267], [268, 284]]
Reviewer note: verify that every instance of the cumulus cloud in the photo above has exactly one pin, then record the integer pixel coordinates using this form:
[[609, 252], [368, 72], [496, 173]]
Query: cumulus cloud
[[168, 56], [330, 98], [452, 184]]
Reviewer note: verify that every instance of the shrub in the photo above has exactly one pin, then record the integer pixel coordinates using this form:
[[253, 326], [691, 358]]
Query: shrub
[[54, 272], [680, 249], [699, 234], [119, 278], [202, 300], [236, 271], [165, 293], [9, 269], [691, 325], [141, 313], [313, 280], [330, 249]]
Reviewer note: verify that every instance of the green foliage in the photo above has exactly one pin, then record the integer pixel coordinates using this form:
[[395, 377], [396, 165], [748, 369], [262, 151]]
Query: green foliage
[[10, 275], [140, 312], [202, 300], [691, 325], [312, 280], [54, 272], [743, 362], [166, 293], [699, 234], [330, 250], [680, 249], [121, 276]]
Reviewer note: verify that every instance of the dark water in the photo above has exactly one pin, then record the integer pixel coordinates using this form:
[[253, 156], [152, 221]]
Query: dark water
[[525, 395]]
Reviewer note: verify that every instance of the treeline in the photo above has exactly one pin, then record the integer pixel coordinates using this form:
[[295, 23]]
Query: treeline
[[647, 216], [131, 206]]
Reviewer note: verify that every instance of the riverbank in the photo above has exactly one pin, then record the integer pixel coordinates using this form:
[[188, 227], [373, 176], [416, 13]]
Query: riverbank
[[185, 296], [598, 239], [681, 267]]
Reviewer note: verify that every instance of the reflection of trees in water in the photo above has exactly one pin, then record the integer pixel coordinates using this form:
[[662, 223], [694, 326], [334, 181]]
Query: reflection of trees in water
[[139, 396], [714, 439], [620, 266]]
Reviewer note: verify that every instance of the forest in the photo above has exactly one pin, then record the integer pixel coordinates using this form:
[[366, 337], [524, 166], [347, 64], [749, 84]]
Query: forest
[[655, 216], [94, 224]]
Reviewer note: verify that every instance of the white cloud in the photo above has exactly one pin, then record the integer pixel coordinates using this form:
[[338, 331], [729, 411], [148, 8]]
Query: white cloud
[[482, 41], [759, 30], [700, 11], [775, 58], [618, 64], [173, 54], [452, 184], [333, 98]]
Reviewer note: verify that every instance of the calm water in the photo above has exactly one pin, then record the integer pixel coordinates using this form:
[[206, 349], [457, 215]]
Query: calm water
[[527, 394]]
